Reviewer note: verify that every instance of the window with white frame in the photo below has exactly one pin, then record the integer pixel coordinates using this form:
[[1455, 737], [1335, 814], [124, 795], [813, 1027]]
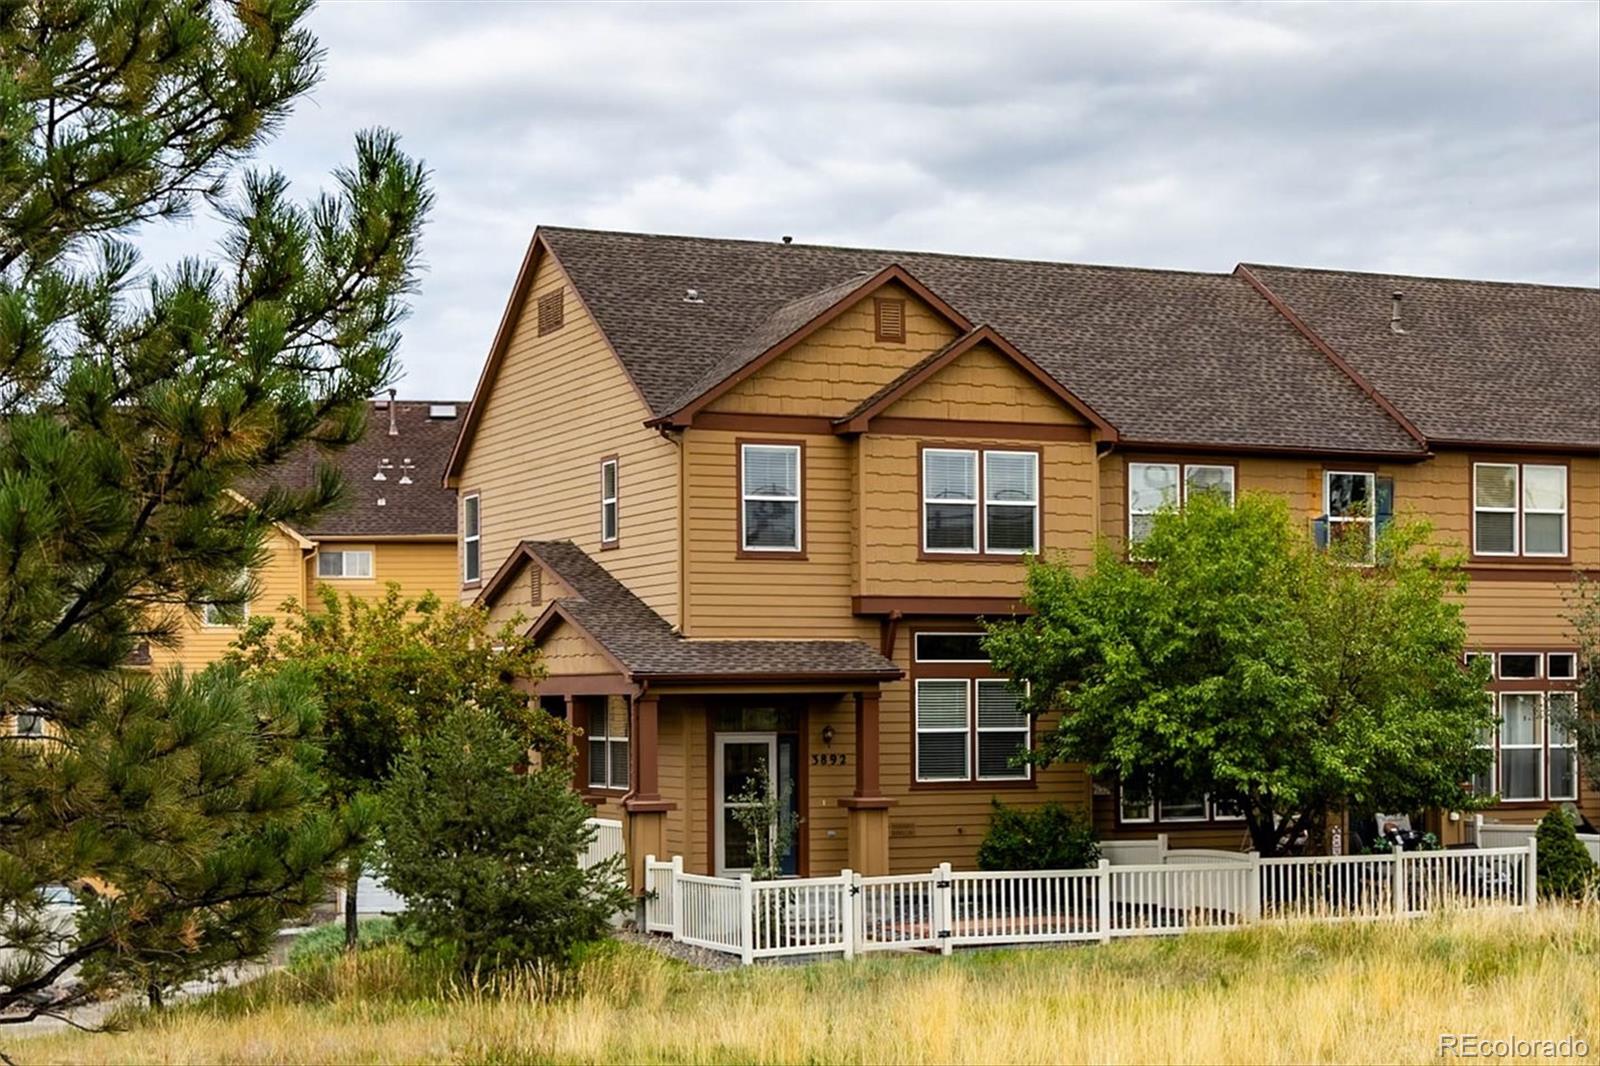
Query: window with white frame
[[471, 539], [970, 725], [608, 501], [1349, 504], [223, 615], [1154, 487], [1521, 746], [770, 497], [949, 500], [344, 563], [1560, 711], [1534, 755], [1136, 808], [1484, 782], [28, 725], [1010, 502], [1562, 666], [608, 743], [1519, 509], [1182, 809]]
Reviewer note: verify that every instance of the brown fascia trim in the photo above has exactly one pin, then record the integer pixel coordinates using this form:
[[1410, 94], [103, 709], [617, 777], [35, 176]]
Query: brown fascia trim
[[556, 612], [859, 422], [1194, 448], [382, 538], [774, 678], [935, 606], [1524, 572], [537, 246], [1536, 447], [1339, 362], [490, 591], [894, 272]]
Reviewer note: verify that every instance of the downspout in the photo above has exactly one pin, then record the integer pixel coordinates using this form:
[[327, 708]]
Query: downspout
[[683, 524]]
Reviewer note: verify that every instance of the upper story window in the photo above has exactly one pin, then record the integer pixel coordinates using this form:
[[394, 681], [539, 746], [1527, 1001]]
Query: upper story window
[[1350, 504], [970, 725], [608, 502], [471, 539], [552, 311], [1153, 487], [344, 563], [228, 614], [954, 493], [28, 725], [769, 498], [1519, 509]]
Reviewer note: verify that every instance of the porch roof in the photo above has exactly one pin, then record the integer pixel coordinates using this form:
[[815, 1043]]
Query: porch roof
[[645, 647]]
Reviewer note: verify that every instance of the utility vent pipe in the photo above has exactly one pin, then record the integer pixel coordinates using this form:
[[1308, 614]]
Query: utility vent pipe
[[1394, 314]]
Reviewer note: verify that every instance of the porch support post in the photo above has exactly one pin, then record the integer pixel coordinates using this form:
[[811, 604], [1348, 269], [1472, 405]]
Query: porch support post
[[644, 811], [869, 808]]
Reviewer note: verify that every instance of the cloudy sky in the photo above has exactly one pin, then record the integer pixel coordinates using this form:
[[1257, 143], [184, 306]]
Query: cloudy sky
[[1423, 138]]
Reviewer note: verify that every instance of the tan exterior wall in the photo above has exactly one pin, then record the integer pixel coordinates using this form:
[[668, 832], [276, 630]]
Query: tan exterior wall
[[282, 577], [983, 385], [567, 651], [841, 363], [418, 566], [559, 405]]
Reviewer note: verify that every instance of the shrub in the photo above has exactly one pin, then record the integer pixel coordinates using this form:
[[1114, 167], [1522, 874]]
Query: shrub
[[327, 941], [1050, 837], [1565, 868], [487, 856]]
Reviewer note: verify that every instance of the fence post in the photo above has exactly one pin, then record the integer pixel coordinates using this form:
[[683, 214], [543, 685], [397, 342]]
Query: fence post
[[1102, 897], [944, 893], [1531, 878], [847, 915], [1252, 901], [858, 909], [747, 925], [677, 895], [1402, 907], [1161, 849], [643, 908]]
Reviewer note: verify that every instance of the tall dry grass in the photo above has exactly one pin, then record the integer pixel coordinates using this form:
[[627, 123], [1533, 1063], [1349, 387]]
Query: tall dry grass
[[1380, 992]]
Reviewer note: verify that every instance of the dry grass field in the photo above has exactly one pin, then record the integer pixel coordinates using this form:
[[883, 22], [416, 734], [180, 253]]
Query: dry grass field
[[1379, 992]]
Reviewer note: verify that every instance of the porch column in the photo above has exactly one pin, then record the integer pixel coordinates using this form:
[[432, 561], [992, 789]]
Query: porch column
[[644, 811], [869, 808]]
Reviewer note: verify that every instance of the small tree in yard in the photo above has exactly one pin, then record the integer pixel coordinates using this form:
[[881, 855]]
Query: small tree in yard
[[184, 813], [1240, 661], [1049, 837], [389, 670], [1565, 868], [1579, 716], [763, 813], [485, 848]]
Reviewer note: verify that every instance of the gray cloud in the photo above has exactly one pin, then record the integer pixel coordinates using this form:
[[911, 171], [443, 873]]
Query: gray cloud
[[1440, 139]]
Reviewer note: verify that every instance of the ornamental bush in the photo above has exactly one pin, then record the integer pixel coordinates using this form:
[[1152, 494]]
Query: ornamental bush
[[484, 849], [1565, 868], [1050, 837]]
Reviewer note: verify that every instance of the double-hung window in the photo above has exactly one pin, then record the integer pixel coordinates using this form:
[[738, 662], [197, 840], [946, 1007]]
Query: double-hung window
[[1350, 503], [1521, 746], [1156, 487], [1519, 509], [970, 725], [608, 743], [344, 563], [1560, 710], [959, 483], [231, 614], [471, 540], [608, 501], [769, 498]]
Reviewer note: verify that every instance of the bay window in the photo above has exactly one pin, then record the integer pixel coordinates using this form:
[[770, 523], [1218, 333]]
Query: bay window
[[1534, 754]]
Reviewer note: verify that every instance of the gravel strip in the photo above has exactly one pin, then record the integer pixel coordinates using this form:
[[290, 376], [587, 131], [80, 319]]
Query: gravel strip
[[700, 958]]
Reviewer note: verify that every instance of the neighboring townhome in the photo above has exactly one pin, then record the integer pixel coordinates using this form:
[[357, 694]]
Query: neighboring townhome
[[756, 497], [396, 523]]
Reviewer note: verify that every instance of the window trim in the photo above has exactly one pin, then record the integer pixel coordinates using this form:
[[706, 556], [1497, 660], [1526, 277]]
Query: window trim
[[244, 612], [341, 550], [475, 540], [980, 552], [1500, 669], [605, 738], [1519, 513], [917, 730], [970, 671], [741, 550], [1550, 748], [612, 501], [1183, 464], [1156, 818], [919, 634], [1543, 687], [1370, 520], [1540, 745]]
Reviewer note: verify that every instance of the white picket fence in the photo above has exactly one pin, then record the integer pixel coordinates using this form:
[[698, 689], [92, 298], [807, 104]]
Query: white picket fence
[[1508, 834], [1190, 891], [606, 842]]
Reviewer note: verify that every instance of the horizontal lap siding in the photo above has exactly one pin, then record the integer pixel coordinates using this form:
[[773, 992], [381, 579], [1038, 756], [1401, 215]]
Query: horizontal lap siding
[[282, 577], [840, 364], [418, 567], [560, 404]]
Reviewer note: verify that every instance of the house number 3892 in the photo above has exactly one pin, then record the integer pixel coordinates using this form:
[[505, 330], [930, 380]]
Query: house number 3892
[[828, 758]]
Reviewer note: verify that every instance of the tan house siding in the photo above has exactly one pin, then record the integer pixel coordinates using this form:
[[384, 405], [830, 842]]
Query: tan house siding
[[559, 405], [841, 363], [567, 651], [983, 385], [417, 566]]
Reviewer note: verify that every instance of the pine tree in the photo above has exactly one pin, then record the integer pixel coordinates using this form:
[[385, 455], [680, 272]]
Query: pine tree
[[183, 812]]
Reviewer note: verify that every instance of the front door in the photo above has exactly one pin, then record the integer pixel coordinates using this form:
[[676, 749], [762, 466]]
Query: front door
[[738, 759]]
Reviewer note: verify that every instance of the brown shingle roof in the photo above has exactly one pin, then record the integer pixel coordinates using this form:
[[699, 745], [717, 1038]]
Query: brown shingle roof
[[1164, 356], [1479, 361], [419, 451], [646, 646]]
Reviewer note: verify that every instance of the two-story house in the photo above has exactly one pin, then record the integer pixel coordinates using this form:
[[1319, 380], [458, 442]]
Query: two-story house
[[397, 523], [756, 498]]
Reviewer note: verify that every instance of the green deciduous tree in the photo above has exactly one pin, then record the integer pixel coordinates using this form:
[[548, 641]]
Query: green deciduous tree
[[391, 669], [1241, 661], [485, 848], [131, 401], [1581, 717]]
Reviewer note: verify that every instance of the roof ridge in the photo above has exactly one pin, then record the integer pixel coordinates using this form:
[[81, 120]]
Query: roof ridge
[[1501, 282]]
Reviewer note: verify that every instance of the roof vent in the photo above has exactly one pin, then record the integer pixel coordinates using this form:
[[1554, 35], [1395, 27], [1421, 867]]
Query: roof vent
[[692, 296], [406, 468], [441, 410], [787, 239], [1394, 314], [383, 464], [394, 430]]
